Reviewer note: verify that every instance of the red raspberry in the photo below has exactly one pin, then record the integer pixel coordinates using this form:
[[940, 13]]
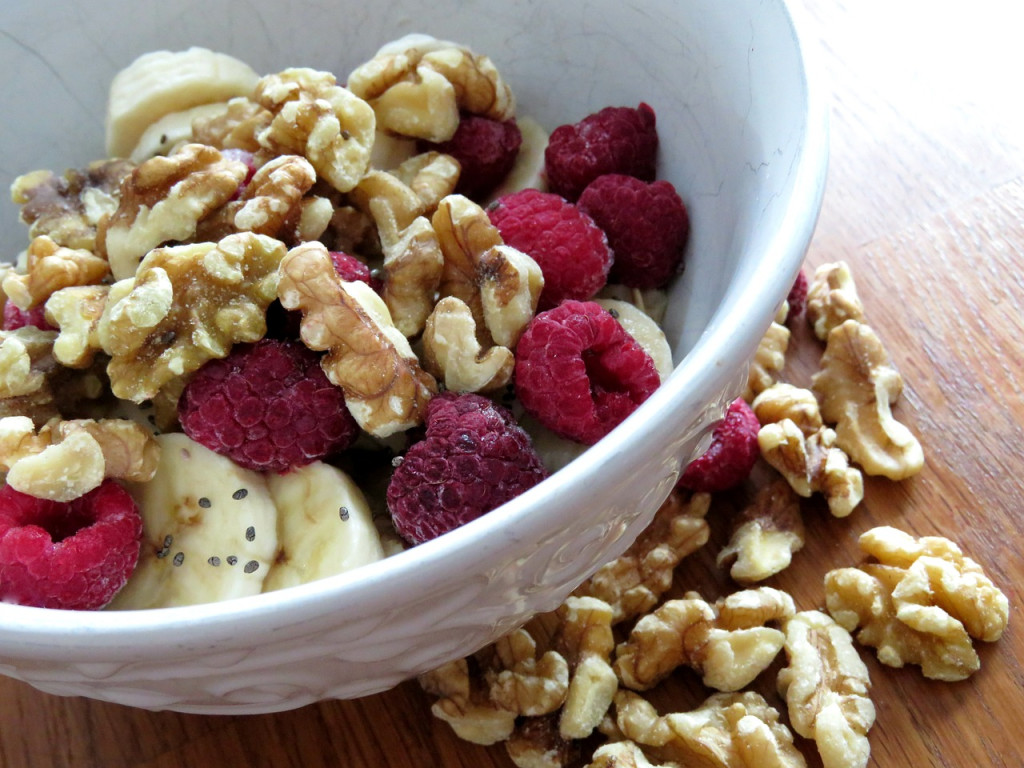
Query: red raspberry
[[15, 318], [486, 150], [732, 454], [579, 373], [797, 298], [646, 224], [73, 555], [614, 140], [570, 249], [350, 268], [268, 406], [472, 460]]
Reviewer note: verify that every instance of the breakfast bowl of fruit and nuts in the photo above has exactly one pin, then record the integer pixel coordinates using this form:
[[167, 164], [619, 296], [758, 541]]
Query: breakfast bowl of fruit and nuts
[[340, 340]]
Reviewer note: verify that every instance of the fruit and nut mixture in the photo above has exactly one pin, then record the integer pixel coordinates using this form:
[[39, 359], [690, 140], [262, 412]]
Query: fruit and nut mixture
[[579, 687], [291, 324]]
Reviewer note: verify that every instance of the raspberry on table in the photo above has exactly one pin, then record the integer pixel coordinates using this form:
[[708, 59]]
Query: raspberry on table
[[268, 406], [797, 298], [15, 318], [486, 150], [473, 458], [732, 454], [72, 555], [613, 140], [579, 373], [646, 223], [570, 249]]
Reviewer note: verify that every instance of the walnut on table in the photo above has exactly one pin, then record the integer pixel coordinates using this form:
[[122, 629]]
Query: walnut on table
[[418, 86], [857, 385], [163, 200], [807, 457], [464, 704], [315, 117], [69, 208], [920, 603], [827, 687], [764, 535], [729, 730], [67, 459], [634, 582], [832, 299], [51, 267], [185, 305], [728, 643], [768, 360], [367, 356]]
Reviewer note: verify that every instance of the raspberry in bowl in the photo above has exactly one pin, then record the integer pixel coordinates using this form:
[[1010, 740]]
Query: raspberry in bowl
[[741, 135]]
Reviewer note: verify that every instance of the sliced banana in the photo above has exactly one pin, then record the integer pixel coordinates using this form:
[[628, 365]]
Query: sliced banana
[[389, 151], [324, 526], [209, 530], [159, 83], [528, 171], [641, 327], [161, 137]]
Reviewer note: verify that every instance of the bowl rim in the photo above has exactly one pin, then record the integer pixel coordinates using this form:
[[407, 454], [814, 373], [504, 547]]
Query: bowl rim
[[702, 370]]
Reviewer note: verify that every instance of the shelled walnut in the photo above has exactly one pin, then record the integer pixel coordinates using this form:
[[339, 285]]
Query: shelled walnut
[[634, 582], [764, 535], [826, 687], [51, 267], [832, 298], [920, 603], [857, 385], [768, 362], [728, 643], [463, 703]]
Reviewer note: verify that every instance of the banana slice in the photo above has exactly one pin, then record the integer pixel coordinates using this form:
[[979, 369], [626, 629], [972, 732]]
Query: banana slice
[[324, 526], [159, 83], [641, 327], [209, 530], [170, 130], [528, 171]]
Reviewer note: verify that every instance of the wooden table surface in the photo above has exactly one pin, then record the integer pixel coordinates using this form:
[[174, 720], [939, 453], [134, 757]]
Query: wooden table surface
[[925, 201]]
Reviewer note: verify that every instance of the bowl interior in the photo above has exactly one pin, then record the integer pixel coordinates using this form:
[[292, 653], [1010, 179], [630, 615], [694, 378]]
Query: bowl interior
[[742, 136]]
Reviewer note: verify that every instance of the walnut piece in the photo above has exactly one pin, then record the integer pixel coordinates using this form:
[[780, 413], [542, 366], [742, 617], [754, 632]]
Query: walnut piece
[[68, 208], [315, 117], [919, 604], [621, 754], [76, 312], [67, 459], [728, 643], [729, 730], [826, 687], [418, 85], [370, 359], [536, 743], [235, 128], [832, 299], [812, 464], [764, 535], [785, 401], [163, 200], [499, 284], [431, 175], [451, 352], [523, 678], [634, 582], [768, 360], [187, 304], [413, 260], [585, 640], [463, 704], [857, 385], [50, 268]]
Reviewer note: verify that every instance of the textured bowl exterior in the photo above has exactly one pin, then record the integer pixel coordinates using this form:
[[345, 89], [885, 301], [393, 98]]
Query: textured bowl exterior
[[744, 139]]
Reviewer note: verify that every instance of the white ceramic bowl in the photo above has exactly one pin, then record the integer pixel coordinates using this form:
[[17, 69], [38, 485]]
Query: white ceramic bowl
[[743, 138]]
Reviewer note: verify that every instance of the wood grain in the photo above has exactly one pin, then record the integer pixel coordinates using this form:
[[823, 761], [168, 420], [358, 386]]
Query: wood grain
[[926, 202]]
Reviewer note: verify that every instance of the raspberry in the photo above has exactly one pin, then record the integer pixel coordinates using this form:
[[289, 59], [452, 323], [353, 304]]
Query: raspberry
[[268, 406], [579, 373], [646, 224], [614, 140], [73, 555], [570, 249], [486, 150], [797, 298], [731, 455], [472, 460], [15, 318], [350, 268]]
